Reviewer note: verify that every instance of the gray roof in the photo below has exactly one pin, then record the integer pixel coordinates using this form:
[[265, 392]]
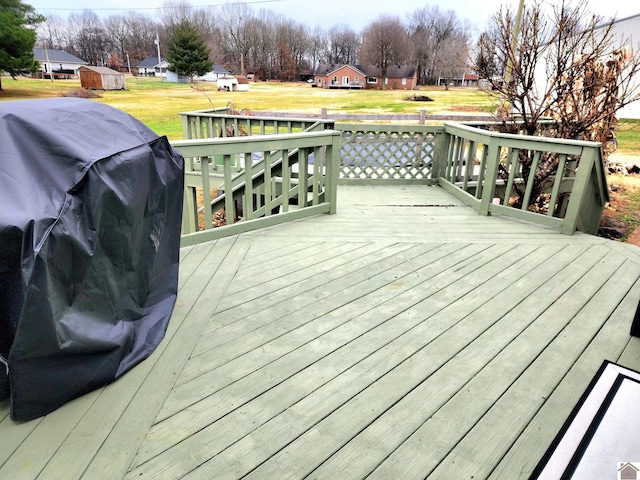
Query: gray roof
[[55, 56], [150, 62], [369, 70], [103, 70], [219, 69]]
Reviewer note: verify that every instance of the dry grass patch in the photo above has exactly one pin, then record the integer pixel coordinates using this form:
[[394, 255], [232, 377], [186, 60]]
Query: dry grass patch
[[622, 213]]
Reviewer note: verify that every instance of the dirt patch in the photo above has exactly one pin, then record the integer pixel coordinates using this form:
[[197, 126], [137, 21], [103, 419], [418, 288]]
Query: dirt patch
[[621, 217], [419, 98], [634, 238]]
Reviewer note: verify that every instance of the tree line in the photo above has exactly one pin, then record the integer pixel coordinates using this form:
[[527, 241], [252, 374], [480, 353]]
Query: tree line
[[271, 45]]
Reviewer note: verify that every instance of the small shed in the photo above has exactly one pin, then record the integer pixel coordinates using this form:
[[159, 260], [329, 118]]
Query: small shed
[[233, 83], [101, 78]]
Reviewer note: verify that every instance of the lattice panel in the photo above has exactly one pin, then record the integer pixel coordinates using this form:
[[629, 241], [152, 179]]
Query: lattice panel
[[386, 155]]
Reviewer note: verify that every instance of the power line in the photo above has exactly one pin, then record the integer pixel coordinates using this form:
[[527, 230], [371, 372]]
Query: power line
[[113, 9]]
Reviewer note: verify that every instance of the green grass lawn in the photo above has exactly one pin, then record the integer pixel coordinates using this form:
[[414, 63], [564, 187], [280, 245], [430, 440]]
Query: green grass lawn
[[158, 103]]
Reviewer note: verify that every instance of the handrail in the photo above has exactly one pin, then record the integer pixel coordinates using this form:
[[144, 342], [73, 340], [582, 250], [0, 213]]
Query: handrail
[[211, 124], [555, 182], [275, 186]]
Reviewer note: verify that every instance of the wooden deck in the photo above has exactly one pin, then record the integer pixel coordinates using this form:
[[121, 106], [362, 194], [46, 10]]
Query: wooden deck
[[404, 337]]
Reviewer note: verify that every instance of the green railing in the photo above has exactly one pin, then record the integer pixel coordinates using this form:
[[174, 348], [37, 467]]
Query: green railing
[[234, 185], [553, 182], [492, 172], [388, 153], [222, 123]]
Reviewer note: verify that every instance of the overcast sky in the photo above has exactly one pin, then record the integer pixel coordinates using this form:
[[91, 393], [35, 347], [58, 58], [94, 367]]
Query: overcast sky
[[326, 13]]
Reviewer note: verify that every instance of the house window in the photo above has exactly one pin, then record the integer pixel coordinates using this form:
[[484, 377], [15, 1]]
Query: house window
[[335, 80], [356, 81], [404, 81], [386, 81], [345, 80], [372, 80]]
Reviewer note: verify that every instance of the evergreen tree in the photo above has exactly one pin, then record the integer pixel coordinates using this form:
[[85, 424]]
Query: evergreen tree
[[17, 38], [188, 54]]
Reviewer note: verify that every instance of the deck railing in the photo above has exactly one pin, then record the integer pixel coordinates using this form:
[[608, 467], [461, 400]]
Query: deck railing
[[492, 172], [234, 185], [223, 122], [388, 153], [554, 182]]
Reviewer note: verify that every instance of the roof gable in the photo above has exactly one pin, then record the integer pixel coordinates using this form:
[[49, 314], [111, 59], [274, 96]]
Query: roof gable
[[330, 68], [101, 70], [367, 70], [151, 62], [219, 69]]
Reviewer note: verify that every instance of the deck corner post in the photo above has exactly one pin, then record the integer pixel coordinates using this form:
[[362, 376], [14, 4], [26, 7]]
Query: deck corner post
[[333, 168], [443, 139], [580, 190], [489, 187]]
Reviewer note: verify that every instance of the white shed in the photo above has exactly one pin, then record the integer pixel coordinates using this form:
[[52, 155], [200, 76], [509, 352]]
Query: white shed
[[233, 83]]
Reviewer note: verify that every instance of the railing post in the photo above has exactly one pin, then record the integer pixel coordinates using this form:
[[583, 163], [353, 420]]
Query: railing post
[[189, 211], [489, 184], [579, 191], [186, 127], [333, 167], [443, 140]]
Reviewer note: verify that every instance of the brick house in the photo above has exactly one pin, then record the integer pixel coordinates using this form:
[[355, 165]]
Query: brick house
[[364, 76]]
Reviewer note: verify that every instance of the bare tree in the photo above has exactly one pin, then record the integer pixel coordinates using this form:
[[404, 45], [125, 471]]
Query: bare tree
[[89, 37], [261, 40], [568, 66], [385, 43], [293, 44], [449, 62], [560, 65], [318, 46], [235, 19], [53, 33], [439, 42], [344, 45], [117, 34], [141, 32]]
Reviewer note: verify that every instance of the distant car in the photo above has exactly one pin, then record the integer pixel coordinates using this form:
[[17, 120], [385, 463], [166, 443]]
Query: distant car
[[310, 80]]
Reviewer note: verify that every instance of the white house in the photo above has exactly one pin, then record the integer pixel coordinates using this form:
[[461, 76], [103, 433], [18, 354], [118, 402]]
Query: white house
[[151, 67], [217, 71], [61, 63]]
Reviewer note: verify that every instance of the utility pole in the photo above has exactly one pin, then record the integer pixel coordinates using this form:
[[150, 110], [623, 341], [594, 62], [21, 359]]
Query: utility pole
[[514, 41], [157, 42], [514, 45], [46, 54]]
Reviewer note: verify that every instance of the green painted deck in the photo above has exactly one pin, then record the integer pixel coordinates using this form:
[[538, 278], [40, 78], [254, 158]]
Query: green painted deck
[[404, 337]]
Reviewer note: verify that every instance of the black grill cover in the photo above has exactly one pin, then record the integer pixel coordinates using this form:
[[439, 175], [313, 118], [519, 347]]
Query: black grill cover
[[90, 218]]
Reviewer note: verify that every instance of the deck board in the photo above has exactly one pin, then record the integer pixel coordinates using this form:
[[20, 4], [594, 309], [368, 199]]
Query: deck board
[[404, 337]]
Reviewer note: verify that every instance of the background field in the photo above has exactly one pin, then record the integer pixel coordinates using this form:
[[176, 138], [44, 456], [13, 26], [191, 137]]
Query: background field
[[157, 104]]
